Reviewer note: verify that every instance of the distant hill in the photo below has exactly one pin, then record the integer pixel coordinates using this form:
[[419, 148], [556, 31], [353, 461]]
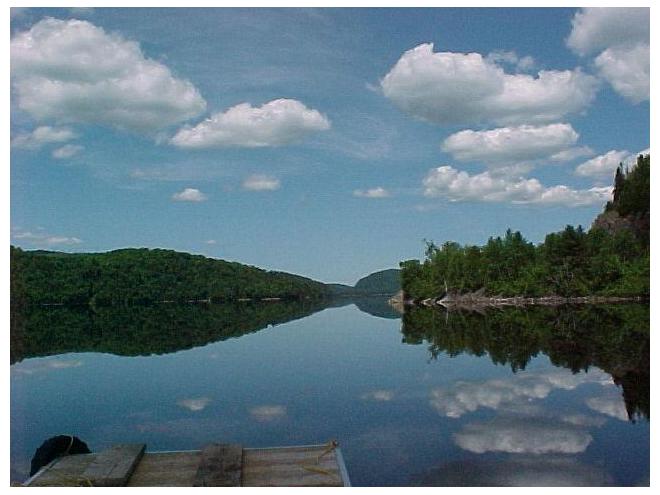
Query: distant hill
[[145, 276], [385, 282], [341, 289]]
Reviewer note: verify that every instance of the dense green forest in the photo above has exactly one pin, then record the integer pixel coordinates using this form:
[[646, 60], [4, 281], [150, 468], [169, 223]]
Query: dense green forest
[[513, 336], [380, 283], [145, 276], [144, 330], [612, 258], [387, 282]]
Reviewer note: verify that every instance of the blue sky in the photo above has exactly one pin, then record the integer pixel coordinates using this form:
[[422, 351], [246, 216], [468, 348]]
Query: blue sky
[[324, 142]]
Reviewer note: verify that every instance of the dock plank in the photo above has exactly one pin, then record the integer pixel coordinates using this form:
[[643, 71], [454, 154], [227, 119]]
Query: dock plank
[[277, 466], [64, 471], [220, 465], [166, 469], [296, 466], [114, 466]]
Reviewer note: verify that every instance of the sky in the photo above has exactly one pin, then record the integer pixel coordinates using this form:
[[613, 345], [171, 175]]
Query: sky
[[324, 142]]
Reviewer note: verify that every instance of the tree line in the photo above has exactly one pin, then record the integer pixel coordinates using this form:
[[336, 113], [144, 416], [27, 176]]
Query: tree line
[[145, 276], [606, 260]]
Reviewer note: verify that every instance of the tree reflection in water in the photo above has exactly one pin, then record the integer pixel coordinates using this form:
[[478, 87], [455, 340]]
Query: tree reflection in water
[[614, 338]]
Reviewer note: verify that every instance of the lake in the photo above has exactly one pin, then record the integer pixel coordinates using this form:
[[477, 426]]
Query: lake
[[537, 396]]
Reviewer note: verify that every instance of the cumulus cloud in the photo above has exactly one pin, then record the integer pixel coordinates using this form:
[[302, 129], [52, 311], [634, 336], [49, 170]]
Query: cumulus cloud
[[582, 420], [268, 413], [604, 166], [275, 123], [458, 88], [43, 239], [455, 185], [67, 151], [43, 135], [514, 392], [609, 406], [511, 144], [376, 192], [73, 71], [597, 28], [190, 194], [528, 436], [621, 37], [259, 182], [194, 404], [627, 70]]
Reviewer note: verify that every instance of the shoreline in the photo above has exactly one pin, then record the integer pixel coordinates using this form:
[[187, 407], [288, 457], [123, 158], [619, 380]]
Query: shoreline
[[479, 301]]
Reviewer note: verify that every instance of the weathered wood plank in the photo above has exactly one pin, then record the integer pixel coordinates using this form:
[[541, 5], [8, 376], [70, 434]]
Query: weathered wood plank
[[114, 466], [220, 465], [282, 459], [293, 479], [277, 466], [166, 469], [299, 466], [287, 455], [64, 471]]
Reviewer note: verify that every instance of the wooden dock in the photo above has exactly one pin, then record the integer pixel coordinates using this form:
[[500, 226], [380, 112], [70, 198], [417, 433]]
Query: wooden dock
[[214, 465]]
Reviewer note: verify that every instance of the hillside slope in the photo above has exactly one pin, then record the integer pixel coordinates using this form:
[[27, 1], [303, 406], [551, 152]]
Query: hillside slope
[[385, 282], [143, 276]]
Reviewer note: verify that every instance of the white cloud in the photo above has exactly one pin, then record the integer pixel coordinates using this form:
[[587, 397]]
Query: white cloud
[[194, 404], [43, 239], [572, 153], [512, 393], [259, 182], [582, 420], [621, 35], [211, 242], [43, 135], [376, 192], [458, 88], [265, 414], [627, 70], [602, 165], [67, 151], [511, 144], [454, 185], [275, 123], [523, 436], [378, 395], [610, 406], [73, 71], [596, 28], [190, 194]]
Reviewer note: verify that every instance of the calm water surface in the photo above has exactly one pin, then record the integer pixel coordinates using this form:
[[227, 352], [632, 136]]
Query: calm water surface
[[544, 396]]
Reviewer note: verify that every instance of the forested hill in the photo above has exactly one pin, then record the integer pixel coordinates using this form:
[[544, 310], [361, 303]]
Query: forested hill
[[611, 259], [385, 282], [144, 276]]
